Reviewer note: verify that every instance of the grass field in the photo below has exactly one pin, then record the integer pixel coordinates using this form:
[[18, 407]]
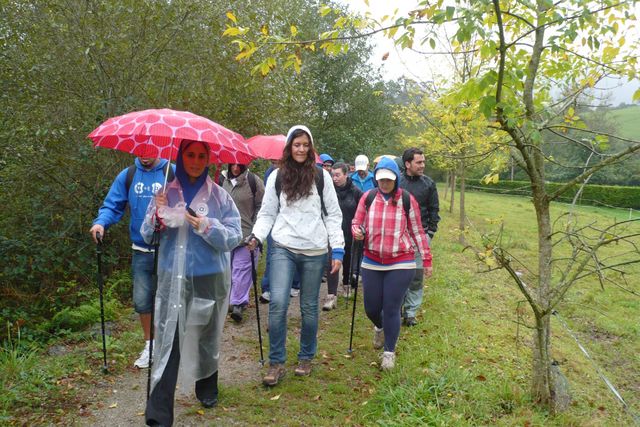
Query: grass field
[[468, 361], [628, 121]]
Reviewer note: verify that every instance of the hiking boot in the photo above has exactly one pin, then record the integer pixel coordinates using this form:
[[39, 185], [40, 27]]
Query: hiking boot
[[143, 359], [265, 297], [388, 360], [378, 338], [294, 292], [276, 373], [304, 368], [236, 313], [330, 302], [410, 321]]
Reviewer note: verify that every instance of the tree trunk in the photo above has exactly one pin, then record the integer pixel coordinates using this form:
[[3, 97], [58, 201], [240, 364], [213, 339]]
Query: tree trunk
[[453, 191], [446, 187], [463, 218], [543, 384]]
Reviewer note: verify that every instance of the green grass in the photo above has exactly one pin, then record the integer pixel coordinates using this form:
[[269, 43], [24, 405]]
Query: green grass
[[628, 121], [467, 363]]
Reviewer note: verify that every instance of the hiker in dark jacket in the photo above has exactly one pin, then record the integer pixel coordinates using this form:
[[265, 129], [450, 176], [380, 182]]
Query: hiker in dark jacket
[[348, 198], [425, 192]]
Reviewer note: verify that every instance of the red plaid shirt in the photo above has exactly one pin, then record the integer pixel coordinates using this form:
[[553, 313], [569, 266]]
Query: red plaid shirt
[[388, 237]]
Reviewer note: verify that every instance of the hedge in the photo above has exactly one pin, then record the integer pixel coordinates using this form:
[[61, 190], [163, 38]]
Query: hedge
[[596, 195]]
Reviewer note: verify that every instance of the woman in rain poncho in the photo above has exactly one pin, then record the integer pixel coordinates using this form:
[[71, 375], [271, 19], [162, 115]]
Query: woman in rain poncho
[[193, 280]]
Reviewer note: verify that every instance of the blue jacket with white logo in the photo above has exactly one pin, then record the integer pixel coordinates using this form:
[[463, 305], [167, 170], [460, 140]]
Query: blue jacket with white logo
[[144, 185]]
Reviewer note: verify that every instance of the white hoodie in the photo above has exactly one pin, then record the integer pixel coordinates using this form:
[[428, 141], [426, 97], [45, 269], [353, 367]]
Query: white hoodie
[[300, 225]]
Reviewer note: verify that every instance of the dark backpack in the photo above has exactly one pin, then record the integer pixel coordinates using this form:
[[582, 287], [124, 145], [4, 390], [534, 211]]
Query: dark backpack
[[406, 201], [251, 178], [319, 187], [131, 171]]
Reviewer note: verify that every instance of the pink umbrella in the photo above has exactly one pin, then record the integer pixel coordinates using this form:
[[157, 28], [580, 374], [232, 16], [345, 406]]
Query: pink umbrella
[[158, 133], [270, 146]]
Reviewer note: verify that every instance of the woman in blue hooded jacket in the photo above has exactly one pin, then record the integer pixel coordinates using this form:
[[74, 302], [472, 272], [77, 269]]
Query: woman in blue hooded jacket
[[193, 280]]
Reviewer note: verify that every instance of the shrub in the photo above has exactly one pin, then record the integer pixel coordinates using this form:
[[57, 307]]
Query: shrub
[[596, 195]]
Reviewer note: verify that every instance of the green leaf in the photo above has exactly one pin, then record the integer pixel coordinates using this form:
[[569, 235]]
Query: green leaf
[[487, 105], [432, 43], [636, 96], [449, 12]]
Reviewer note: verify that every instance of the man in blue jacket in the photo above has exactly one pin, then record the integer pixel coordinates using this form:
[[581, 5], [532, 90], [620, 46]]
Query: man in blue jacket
[[362, 177], [135, 186], [425, 192]]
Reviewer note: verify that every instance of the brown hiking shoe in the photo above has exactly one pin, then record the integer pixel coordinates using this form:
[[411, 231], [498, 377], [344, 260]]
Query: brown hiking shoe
[[276, 373], [304, 368]]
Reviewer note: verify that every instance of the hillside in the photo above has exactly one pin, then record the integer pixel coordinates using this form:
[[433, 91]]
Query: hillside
[[628, 121]]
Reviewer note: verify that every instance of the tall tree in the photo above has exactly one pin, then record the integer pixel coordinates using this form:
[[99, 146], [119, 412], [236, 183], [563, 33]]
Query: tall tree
[[527, 47]]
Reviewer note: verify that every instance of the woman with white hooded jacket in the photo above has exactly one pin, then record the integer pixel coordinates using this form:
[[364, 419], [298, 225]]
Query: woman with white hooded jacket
[[292, 210]]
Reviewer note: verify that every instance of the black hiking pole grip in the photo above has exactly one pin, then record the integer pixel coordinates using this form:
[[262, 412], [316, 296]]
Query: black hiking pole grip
[[100, 281], [356, 249], [254, 276], [154, 288]]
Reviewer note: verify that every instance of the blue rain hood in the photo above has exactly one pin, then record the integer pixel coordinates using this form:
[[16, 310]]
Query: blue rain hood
[[387, 163], [326, 158]]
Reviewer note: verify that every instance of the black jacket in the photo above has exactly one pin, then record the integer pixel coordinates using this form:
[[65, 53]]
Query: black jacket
[[424, 190], [348, 198]]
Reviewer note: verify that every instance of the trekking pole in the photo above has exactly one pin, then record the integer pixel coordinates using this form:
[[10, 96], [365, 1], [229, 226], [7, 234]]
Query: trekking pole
[[351, 272], [100, 281], [154, 288], [254, 276], [356, 248]]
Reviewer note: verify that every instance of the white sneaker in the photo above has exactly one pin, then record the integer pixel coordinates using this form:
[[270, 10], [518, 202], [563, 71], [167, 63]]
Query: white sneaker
[[330, 302], [265, 297], [378, 338], [143, 359], [294, 292], [388, 360]]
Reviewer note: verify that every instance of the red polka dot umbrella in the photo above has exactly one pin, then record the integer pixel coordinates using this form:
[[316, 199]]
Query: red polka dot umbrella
[[158, 133]]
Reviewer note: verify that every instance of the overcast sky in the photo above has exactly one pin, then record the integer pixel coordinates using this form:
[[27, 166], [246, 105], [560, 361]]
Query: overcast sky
[[426, 68]]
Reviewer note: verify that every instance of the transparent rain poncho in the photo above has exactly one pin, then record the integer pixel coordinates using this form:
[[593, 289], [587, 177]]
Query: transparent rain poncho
[[193, 278]]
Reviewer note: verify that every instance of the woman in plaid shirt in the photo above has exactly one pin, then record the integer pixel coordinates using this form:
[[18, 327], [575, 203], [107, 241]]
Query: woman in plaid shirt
[[391, 236]]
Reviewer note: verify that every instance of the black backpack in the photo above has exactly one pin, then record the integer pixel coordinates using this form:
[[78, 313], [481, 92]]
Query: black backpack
[[131, 171], [319, 187], [406, 201]]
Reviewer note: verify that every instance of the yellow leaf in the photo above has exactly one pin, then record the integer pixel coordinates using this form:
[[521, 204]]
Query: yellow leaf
[[232, 17], [231, 31], [113, 405], [366, 2], [140, 414], [294, 31], [265, 30], [200, 412], [276, 397]]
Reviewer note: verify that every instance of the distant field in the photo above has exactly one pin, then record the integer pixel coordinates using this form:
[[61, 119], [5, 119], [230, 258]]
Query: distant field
[[628, 120]]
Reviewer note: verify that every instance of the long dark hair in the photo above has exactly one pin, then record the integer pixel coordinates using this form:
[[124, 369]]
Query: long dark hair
[[297, 178]]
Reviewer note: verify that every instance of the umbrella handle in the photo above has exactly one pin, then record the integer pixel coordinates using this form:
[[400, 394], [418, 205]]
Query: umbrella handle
[[166, 176]]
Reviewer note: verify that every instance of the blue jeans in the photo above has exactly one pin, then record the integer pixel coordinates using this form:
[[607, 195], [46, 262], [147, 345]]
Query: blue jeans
[[264, 284], [413, 298], [283, 265], [142, 272]]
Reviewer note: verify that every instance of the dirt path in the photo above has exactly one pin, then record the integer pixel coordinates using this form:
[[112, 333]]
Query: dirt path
[[120, 401]]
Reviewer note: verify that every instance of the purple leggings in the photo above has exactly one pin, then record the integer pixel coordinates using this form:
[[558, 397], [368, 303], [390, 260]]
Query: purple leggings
[[383, 295]]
